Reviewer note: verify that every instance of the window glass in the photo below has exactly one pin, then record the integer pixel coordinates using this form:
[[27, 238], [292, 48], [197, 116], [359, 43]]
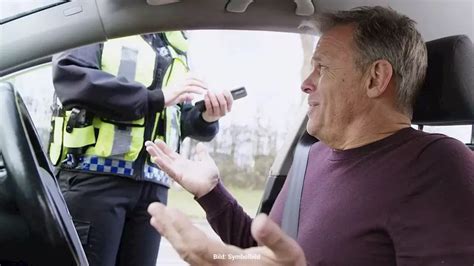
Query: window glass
[[271, 67], [11, 9], [462, 133], [36, 89]]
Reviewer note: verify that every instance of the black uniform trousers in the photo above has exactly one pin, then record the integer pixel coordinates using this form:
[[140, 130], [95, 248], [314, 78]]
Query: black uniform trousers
[[111, 218]]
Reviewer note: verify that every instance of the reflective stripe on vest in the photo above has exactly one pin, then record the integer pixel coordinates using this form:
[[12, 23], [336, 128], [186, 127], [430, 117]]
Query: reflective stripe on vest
[[134, 59], [117, 139], [131, 58]]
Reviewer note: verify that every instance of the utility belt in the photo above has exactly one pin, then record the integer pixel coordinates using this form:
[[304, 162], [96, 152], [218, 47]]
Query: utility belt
[[77, 136], [95, 164]]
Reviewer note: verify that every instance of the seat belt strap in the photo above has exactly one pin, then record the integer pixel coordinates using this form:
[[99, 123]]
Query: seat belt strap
[[291, 211]]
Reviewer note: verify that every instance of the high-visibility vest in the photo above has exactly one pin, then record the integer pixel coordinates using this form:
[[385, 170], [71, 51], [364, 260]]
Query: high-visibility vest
[[134, 59]]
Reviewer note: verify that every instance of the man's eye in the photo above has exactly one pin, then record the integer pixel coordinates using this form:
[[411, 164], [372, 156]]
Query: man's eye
[[318, 67], [321, 66]]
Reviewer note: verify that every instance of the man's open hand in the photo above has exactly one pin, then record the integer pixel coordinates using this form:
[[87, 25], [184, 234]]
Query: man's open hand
[[198, 177], [197, 249]]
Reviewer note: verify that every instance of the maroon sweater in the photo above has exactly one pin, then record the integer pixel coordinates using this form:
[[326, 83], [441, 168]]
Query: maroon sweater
[[407, 199]]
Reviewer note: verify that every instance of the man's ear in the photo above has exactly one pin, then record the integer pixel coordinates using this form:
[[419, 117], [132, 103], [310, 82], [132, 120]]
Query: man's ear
[[379, 76]]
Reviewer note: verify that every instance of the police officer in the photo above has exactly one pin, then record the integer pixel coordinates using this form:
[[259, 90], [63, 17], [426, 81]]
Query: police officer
[[115, 96]]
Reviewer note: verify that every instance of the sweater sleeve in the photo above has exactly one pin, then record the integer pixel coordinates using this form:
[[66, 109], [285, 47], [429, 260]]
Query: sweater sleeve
[[194, 126], [227, 217], [80, 82]]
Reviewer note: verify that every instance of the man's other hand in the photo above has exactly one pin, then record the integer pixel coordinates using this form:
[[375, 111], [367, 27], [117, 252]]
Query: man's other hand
[[198, 177], [197, 249], [217, 105]]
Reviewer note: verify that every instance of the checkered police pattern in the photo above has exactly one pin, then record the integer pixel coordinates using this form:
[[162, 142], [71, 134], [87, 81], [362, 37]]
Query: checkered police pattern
[[106, 165], [122, 167], [156, 174]]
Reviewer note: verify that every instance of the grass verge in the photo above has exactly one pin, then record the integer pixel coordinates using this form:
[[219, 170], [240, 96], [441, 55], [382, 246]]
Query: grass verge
[[184, 201]]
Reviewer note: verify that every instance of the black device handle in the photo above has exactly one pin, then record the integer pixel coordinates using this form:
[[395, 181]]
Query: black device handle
[[236, 94]]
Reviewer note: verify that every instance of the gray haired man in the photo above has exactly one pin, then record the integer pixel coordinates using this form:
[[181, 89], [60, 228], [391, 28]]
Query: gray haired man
[[376, 191]]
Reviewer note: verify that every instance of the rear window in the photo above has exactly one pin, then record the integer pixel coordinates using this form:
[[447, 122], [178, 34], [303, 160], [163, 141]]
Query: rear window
[[462, 133]]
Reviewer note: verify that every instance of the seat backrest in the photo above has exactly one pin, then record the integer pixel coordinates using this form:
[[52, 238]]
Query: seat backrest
[[447, 96]]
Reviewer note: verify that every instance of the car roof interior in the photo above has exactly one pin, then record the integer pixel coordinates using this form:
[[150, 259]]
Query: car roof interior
[[81, 22]]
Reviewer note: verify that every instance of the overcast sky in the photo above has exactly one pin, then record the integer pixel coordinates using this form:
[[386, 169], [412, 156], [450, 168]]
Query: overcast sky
[[268, 64]]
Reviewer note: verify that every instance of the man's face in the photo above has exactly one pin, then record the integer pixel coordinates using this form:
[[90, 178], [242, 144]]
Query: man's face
[[336, 94]]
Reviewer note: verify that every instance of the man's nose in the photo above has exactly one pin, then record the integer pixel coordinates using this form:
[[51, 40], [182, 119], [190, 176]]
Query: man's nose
[[309, 84]]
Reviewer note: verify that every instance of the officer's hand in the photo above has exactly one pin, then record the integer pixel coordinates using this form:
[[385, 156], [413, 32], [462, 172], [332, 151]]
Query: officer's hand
[[217, 105], [198, 177], [183, 90], [197, 249]]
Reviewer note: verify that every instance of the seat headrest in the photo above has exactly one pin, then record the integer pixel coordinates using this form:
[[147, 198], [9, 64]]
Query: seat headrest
[[447, 96]]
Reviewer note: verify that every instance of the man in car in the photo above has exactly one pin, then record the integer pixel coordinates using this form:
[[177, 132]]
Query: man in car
[[376, 191], [116, 95]]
